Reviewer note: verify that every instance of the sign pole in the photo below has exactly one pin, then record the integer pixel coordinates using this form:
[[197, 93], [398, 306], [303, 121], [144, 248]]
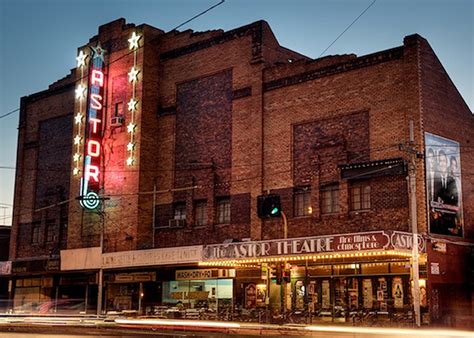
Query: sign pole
[[414, 227]]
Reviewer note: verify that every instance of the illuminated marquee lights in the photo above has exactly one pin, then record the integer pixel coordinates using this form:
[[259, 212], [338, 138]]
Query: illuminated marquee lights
[[91, 179], [80, 92], [132, 104]]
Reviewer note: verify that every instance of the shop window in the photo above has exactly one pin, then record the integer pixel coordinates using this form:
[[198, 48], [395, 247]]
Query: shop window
[[51, 231], [200, 213], [35, 232], [223, 210], [330, 199], [302, 202], [213, 294], [360, 196]]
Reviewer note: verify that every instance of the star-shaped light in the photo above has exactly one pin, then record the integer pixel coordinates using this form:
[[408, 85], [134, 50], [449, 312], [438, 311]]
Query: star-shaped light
[[133, 41], [81, 59], [132, 75], [132, 104], [75, 171], [130, 146], [77, 139], [76, 157], [130, 161], [130, 128], [98, 52], [80, 91], [78, 118]]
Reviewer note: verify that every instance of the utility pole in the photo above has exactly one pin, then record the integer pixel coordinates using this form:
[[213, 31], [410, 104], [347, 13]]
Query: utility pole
[[283, 282], [410, 148]]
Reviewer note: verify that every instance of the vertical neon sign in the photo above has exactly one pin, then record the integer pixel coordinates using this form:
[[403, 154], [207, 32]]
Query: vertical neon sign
[[91, 179]]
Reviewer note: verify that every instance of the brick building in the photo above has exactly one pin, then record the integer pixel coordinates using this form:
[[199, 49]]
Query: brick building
[[186, 130]]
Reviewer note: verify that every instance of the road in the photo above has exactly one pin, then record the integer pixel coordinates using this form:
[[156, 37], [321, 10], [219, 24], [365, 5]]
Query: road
[[30, 327]]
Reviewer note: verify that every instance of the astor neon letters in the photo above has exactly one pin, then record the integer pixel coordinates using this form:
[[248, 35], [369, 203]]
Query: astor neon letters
[[91, 180]]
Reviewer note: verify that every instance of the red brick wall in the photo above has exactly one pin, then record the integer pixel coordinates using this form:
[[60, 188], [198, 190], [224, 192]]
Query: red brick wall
[[446, 114]]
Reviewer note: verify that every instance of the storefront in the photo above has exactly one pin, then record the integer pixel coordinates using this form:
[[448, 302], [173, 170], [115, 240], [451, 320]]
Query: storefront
[[33, 283], [328, 278]]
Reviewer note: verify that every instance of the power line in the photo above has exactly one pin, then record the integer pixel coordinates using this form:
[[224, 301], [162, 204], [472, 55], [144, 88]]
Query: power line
[[347, 28], [13, 111], [130, 52]]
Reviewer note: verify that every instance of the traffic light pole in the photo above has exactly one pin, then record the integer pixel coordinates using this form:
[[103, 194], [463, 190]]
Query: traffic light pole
[[283, 283]]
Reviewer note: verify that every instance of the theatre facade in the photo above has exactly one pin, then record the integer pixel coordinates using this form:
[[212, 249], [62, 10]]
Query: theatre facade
[[138, 176]]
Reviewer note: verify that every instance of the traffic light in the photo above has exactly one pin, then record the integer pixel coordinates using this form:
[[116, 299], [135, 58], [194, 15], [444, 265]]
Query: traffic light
[[279, 274], [268, 206], [286, 275]]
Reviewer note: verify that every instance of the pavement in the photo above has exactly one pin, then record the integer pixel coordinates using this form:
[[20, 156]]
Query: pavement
[[87, 326]]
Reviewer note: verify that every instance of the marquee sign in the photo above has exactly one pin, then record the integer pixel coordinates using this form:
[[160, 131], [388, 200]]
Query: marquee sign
[[91, 178], [356, 242]]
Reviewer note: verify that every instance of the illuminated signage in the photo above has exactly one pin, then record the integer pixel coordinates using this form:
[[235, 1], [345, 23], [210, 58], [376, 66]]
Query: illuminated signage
[[91, 179]]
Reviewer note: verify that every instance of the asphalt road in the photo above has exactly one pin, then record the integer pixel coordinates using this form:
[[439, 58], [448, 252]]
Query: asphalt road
[[31, 327]]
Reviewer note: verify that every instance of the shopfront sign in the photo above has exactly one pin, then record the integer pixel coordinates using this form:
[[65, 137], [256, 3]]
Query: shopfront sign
[[40, 265], [5, 268], [176, 255], [363, 241], [197, 274], [134, 277], [91, 180]]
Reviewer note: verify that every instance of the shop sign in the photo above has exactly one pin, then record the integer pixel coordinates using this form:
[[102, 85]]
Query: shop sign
[[439, 247], [5, 268], [42, 265], [135, 277], [177, 255], [197, 274], [374, 240], [435, 268], [193, 295], [404, 241]]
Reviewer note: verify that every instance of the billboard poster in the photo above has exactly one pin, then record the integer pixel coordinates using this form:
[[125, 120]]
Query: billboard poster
[[443, 186]]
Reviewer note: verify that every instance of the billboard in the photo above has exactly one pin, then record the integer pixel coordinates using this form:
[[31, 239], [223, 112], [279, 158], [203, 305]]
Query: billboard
[[443, 186]]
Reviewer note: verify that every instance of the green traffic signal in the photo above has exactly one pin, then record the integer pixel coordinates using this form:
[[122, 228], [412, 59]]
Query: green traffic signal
[[274, 211]]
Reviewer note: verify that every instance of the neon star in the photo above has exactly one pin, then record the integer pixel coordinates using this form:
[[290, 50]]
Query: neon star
[[75, 171], [76, 157], [81, 59], [78, 118], [77, 139], [130, 146], [80, 91], [130, 128], [133, 41], [132, 104], [130, 161], [98, 52], [132, 75]]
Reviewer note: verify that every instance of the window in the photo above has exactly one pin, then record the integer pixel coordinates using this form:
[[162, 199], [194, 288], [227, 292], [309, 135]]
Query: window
[[223, 210], [180, 211], [200, 213], [302, 202], [330, 199], [360, 196], [118, 111], [51, 231], [35, 232]]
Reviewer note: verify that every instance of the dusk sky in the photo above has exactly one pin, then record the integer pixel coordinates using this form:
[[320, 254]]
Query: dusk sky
[[39, 40]]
